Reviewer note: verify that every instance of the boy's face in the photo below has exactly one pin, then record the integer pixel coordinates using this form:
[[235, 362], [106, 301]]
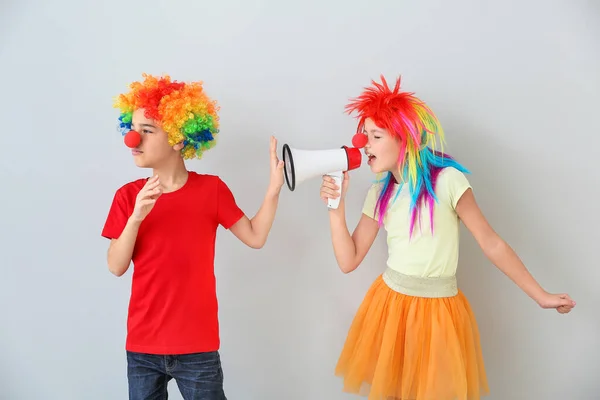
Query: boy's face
[[154, 148]]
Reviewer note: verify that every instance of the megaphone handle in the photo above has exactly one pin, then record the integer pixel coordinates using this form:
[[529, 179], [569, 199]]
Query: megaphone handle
[[338, 177]]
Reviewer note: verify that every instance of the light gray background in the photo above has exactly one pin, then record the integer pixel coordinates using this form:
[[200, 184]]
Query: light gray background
[[515, 84]]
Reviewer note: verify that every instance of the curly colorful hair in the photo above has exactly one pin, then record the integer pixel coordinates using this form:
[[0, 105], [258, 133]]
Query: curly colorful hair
[[411, 121], [182, 110]]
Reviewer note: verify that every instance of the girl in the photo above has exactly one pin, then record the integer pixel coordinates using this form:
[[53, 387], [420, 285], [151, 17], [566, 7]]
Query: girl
[[415, 335]]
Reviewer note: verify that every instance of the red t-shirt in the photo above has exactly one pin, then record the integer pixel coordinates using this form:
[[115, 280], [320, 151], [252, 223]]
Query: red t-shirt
[[173, 305]]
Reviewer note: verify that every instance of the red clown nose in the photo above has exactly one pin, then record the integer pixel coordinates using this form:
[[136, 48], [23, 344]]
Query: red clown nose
[[132, 139], [359, 140]]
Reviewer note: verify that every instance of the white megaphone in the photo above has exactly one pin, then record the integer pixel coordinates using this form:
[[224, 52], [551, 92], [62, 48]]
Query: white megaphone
[[301, 165]]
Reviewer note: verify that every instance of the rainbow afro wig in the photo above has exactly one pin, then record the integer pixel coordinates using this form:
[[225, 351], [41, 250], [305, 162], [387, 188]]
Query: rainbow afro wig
[[417, 128], [182, 110]]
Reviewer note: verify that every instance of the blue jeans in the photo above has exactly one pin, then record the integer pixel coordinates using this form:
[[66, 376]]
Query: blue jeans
[[199, 376]]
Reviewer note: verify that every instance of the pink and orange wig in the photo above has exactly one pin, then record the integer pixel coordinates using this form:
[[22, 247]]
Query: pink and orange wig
[[417, 128], [182, 110]]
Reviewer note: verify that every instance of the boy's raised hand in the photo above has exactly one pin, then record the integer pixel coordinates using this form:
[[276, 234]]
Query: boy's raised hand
[[146, 198], [276, 181]]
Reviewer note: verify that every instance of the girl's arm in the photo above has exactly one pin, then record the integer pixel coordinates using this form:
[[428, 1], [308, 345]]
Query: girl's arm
[[504, 257], [349, 250]]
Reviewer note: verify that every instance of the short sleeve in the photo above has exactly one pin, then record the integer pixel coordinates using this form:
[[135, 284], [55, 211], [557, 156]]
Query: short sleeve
[[228, 212], [371, 201], [117, 217], [456, 184]]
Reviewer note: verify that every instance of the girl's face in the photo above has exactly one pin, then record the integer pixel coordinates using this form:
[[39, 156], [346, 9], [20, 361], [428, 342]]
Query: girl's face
[[382, 149]]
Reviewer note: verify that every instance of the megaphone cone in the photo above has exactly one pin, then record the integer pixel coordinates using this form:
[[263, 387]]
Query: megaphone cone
[[301, 165]]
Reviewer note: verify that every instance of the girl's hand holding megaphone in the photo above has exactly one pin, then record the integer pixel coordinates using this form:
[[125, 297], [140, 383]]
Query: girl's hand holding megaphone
[[329, 189]]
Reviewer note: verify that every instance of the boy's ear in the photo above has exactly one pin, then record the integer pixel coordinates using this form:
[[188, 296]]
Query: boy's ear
[[178, 146]]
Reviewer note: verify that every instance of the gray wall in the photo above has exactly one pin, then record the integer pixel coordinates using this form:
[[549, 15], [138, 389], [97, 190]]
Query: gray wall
[[515, 84]]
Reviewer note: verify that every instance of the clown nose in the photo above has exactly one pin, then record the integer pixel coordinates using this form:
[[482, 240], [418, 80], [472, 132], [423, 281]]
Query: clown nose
[[132, 139], [359, 140]]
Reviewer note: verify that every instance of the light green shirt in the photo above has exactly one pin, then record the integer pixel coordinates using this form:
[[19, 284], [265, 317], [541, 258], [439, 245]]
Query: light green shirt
[[424, 254]]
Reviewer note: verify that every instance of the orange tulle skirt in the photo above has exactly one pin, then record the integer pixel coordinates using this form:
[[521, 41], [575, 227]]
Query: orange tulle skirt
[[402, 347]]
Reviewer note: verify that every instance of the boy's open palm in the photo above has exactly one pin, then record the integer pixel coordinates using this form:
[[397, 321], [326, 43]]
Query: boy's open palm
[[276, 167], [146, 198]]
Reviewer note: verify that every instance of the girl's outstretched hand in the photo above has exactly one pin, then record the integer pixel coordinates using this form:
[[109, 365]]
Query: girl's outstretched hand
[[561, 302]]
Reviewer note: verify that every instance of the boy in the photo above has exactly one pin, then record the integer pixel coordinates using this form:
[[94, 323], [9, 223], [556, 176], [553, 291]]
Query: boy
[[167, 226]]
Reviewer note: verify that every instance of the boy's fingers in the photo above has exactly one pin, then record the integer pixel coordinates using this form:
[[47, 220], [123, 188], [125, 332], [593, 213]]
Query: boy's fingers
[[148, 193], [151, 190], [152, 182]]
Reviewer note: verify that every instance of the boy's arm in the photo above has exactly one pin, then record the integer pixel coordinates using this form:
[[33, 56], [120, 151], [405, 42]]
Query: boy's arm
[[122, 243], [120, 250], [254, 232]]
